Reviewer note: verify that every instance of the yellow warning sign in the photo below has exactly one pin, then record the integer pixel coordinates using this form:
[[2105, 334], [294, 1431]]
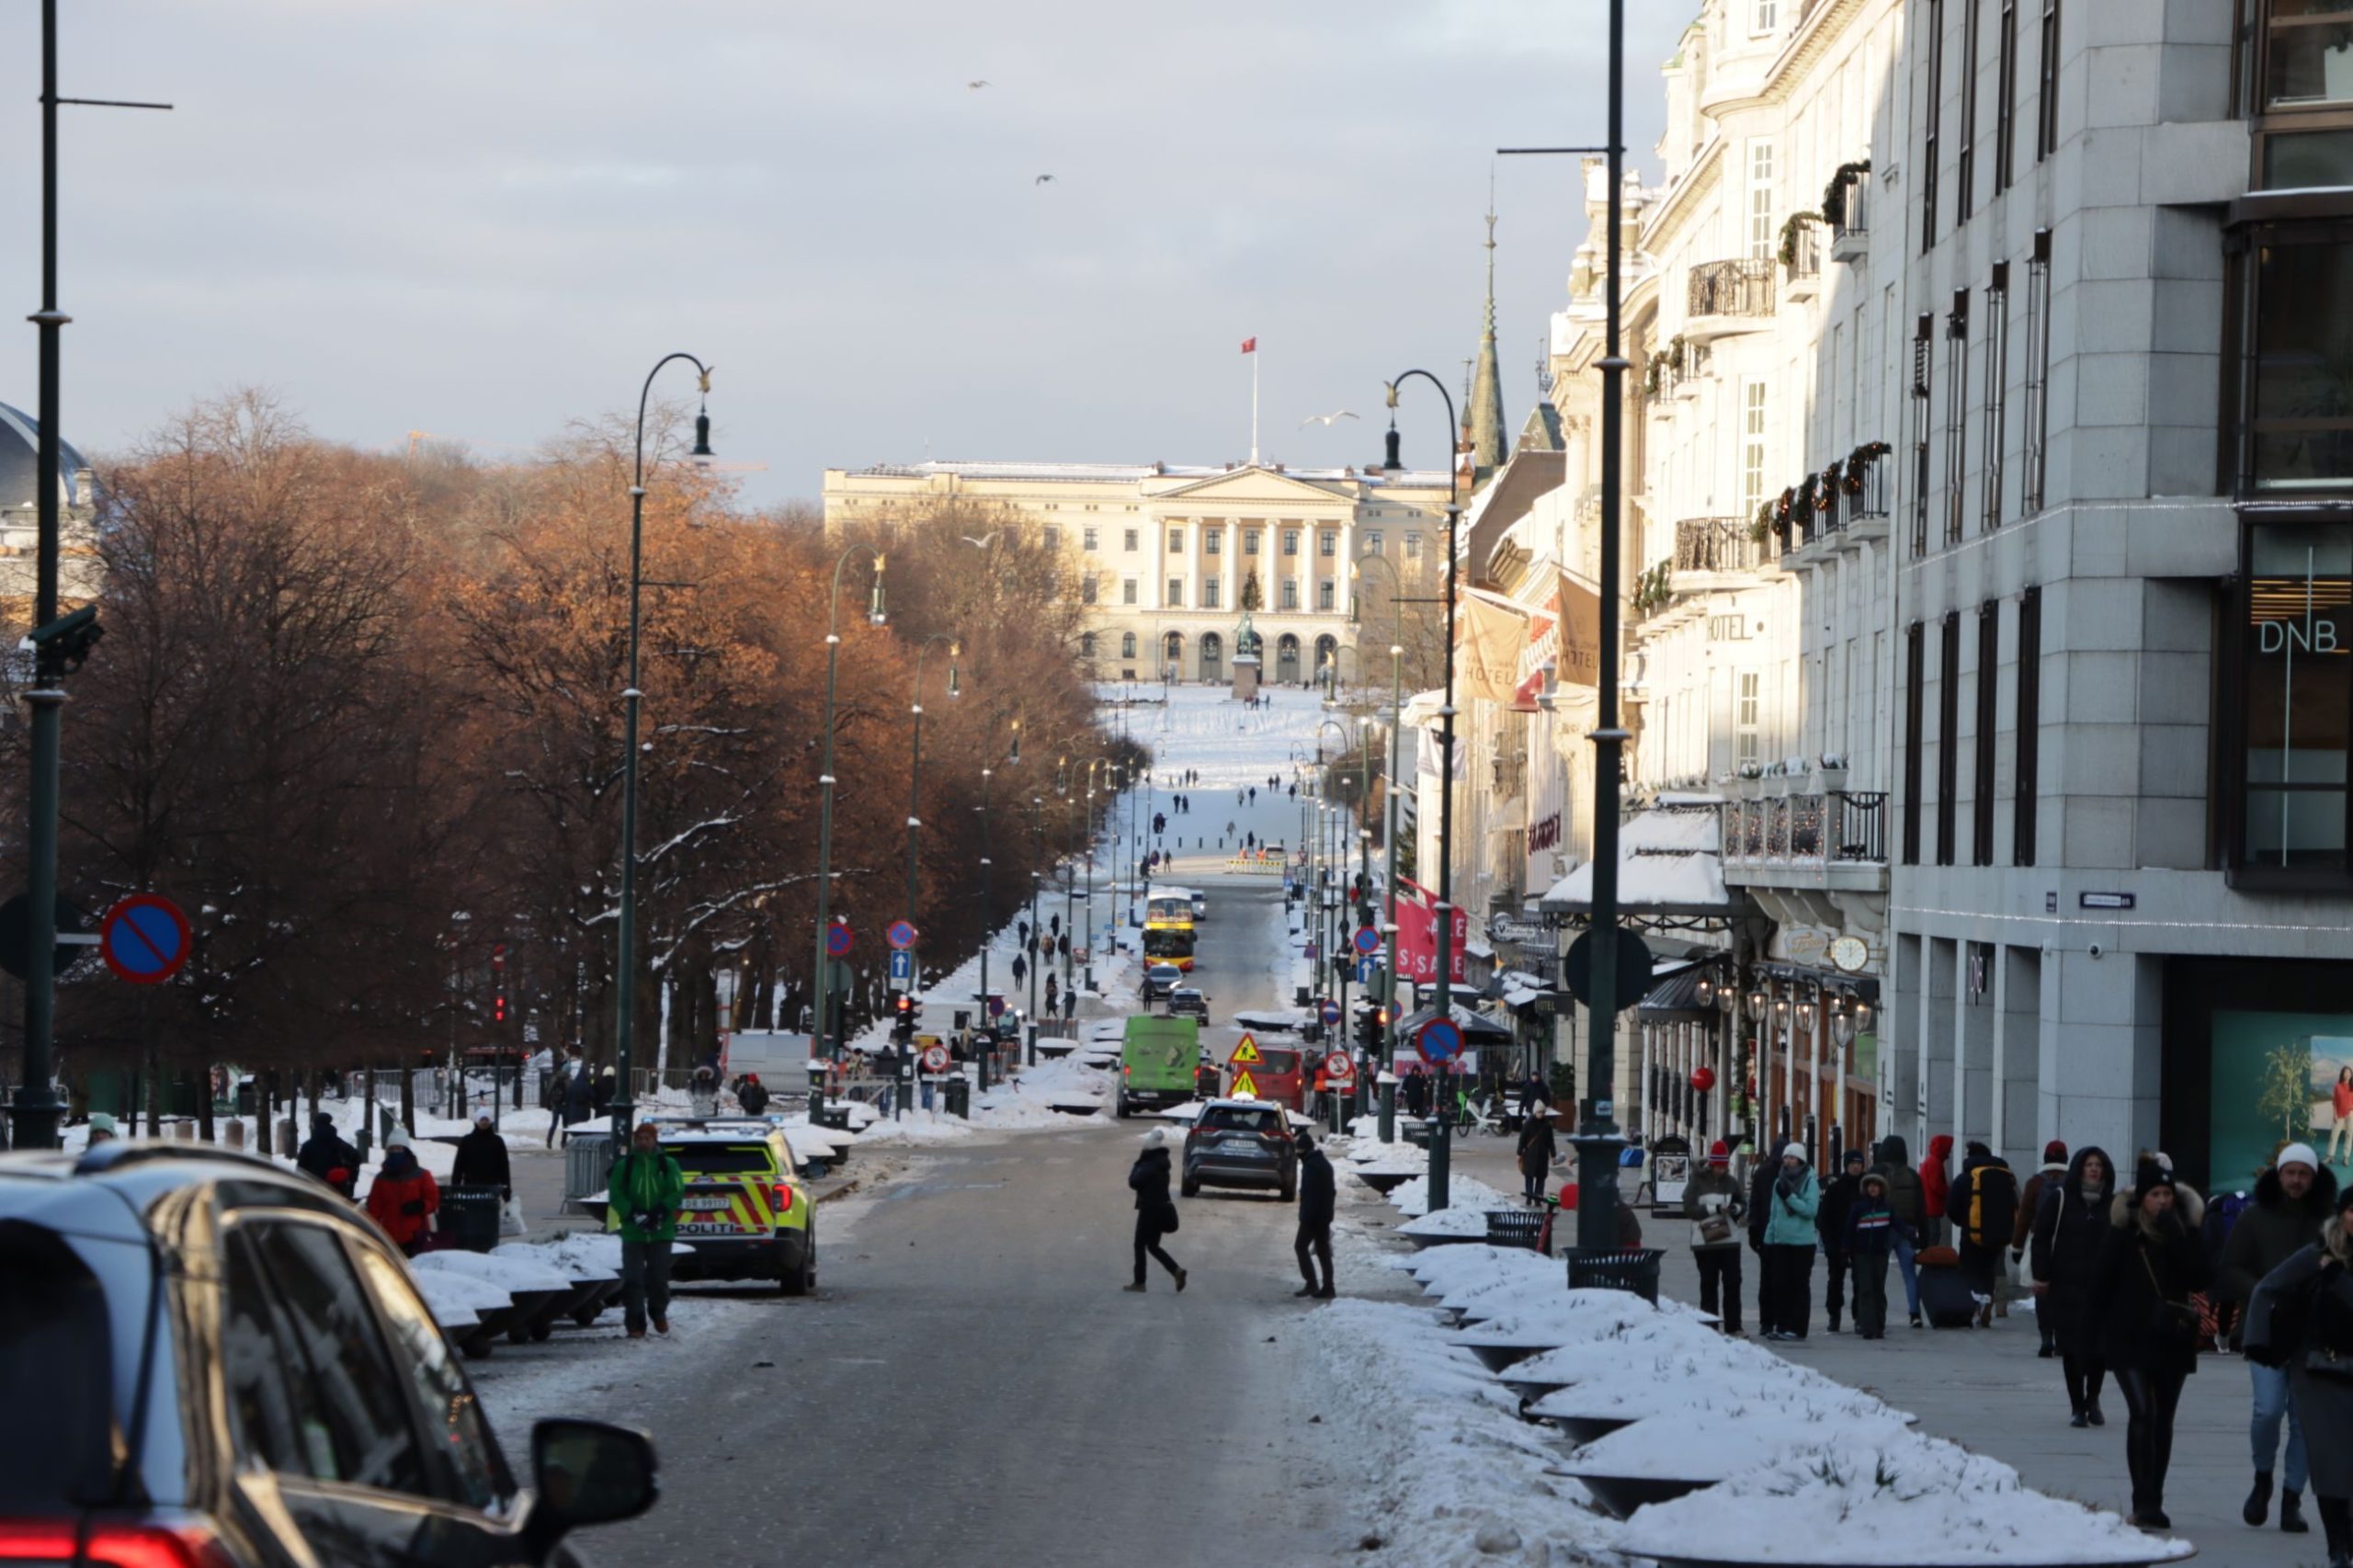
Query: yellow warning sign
[[1248, 1051], [1246, 1087]]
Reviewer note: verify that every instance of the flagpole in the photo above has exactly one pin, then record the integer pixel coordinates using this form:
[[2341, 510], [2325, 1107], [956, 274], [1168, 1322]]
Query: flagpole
[[1253, 404]]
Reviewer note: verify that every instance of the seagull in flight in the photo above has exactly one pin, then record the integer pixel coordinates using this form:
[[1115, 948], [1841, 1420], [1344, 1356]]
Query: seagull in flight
[[1325, 419], [1043, 179], [981, 543], [974, 86]]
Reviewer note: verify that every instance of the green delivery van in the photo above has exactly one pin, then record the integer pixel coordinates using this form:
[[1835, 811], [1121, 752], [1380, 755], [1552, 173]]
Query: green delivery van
[[1156, 1062]]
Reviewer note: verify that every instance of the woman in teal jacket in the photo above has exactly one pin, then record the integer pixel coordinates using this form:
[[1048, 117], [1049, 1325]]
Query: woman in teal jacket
[[1788, 1247]]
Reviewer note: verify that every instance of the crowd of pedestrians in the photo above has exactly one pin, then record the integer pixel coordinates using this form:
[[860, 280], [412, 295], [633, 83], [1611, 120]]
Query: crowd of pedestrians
[[2135, 1278]]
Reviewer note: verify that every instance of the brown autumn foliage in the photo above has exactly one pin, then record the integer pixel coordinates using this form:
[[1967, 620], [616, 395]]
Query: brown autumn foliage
[[360, 716]]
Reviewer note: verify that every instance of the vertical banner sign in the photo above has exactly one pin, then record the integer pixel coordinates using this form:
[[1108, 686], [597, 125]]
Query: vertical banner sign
[[1540, 653], [1491, 636], [1580, 634], [1417, 934]]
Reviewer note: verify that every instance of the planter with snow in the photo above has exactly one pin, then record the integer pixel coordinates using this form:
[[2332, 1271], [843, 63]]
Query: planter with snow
[[1650, 1461], [538, 1291], [591, 1260], [1910, 1502], [1385, 1182]]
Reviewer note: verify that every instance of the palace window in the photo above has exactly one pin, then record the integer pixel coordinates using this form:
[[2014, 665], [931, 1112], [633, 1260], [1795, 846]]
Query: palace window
[[1130, 541], [1090, 538], [1249, 541], [1175, 599], [1290, 542], [1214, 541], [1087, 589], [1291, 593], [1329, 544], [1127, 590], [1323, 595]]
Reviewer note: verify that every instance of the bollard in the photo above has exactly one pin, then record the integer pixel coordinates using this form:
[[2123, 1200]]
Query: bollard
[[1388, 1109]]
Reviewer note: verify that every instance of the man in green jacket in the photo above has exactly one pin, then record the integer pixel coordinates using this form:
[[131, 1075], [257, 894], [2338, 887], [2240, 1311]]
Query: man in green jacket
[[1790, 1207], [642, 1198]]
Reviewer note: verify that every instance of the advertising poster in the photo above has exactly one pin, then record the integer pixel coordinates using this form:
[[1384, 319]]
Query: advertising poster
[[2279, 1077]]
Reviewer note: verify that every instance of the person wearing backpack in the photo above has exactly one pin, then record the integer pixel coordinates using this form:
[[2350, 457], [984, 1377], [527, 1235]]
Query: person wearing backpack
[[2294, 1200], [1908, 1203], [1981, 1207], [2300, 1321]]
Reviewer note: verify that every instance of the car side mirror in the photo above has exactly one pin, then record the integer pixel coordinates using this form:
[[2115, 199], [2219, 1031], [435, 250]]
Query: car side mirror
[[587, 1472]]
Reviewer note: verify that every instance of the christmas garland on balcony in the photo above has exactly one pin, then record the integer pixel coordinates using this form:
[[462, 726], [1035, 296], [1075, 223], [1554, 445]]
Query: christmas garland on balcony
[[1858, 463], [1790, 227], [1834, 195]]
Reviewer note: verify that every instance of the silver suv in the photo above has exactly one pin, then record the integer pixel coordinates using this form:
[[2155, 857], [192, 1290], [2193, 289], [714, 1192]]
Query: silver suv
[[232, 1367]]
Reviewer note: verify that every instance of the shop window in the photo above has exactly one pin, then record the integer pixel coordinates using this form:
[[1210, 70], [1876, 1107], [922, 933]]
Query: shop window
[[2297, 696], [2290, 344]]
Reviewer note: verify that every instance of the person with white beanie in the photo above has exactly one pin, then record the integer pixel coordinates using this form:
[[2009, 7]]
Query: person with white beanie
[[1155, 1211], [2293, 1201], [1791, 1209]]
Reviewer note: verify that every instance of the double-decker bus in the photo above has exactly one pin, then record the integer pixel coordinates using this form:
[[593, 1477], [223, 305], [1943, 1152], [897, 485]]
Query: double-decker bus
[[1169, 926]]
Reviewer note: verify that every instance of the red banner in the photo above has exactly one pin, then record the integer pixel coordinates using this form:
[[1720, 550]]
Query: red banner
[[1417, 934]]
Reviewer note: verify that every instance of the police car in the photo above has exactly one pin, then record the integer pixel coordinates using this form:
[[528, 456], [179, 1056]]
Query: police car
[[746, 1212]]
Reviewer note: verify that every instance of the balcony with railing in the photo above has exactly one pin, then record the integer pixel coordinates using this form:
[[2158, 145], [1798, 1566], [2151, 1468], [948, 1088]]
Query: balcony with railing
[[1801, 257], [1846, 211], [1845, 504], [1719, 545], [1805, 831], [1728, 297]]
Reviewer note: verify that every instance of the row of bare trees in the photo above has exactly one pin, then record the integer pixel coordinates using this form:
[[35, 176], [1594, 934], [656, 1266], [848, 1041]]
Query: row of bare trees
[[360, 716]]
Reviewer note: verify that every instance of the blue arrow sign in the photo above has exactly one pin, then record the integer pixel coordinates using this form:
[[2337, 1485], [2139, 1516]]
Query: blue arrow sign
[[903, 966], [1439, 1040], [1366, 969]]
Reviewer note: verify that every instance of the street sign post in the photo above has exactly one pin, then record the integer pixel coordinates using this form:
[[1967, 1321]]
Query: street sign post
[[1329, 1011], [16, 936], [1367, 968], [935, 1059], [1339, 1065], [1368, 941], [1633, 969], [903, 967], [1439, 1040], [901, 935], [1247, 1054], [145, 940], [997, 1006]]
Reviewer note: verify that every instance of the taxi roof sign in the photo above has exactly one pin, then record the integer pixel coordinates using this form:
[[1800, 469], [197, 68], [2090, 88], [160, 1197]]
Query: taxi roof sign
[[1246, 1087], [1248, 1051]]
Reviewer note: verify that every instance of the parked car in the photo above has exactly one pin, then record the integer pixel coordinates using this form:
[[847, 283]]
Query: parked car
[[1241, 1144], [1187, 1001], [1159, 980], [232, 1369], [746, 1212]]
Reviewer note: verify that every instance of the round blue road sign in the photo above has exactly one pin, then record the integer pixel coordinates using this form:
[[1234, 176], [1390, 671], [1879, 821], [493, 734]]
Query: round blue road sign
[[145, 940], [1368, 940], [1329, 1011], [837, 940], [902, 935], [1439, 1040], [997, 1006]]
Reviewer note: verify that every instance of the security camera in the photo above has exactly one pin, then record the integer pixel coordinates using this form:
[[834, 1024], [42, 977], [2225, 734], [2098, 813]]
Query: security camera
[[2095, 949]]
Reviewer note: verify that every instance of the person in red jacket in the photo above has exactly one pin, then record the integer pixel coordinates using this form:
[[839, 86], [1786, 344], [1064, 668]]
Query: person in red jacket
[[1936, 1183], [403, 1198]]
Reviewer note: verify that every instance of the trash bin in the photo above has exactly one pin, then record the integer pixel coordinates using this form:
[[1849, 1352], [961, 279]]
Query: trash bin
[[1515, 1227], [469, 1217], [960, 1097], [835, 1116], [1635, 1270], [245, 1096]]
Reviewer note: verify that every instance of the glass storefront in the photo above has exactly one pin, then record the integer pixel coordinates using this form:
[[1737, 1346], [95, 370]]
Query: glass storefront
[[2275, 1080], [2298, 710]]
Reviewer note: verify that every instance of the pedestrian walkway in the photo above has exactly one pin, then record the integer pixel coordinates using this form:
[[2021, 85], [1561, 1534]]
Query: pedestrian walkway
[[1986, 1389]]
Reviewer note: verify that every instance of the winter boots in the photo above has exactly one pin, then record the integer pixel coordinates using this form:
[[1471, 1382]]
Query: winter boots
[[2291, 1512], [2258, 1499]]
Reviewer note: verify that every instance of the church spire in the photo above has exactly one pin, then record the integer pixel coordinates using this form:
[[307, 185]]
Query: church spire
[[1485, 417]]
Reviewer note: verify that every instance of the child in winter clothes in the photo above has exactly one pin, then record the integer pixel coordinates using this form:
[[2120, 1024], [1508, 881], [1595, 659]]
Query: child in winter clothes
[[1871, 1237]]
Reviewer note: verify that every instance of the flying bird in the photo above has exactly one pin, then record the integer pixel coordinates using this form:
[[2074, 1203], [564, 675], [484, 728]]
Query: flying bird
[[1325, 419], [981, 543], [975, 86], [1043, 179]]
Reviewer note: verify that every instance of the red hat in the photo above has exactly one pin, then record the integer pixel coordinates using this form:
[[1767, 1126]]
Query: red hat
[[1718, 1155], [2054, 1153]]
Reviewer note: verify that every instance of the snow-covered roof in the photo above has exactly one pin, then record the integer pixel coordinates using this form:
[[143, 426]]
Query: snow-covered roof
[[1667, 864]]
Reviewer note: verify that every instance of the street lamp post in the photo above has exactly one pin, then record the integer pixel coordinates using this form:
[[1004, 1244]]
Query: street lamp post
[[1442, 1135], [1388, 833], [823, 974], [915, 817], [625, 1029]]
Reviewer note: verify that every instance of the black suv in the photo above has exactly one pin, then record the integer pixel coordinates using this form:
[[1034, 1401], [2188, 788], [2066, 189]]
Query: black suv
[[212, 1362]]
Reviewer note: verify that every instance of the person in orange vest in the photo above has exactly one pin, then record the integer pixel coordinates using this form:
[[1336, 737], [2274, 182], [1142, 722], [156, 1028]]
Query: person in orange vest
[[403, 1198], [1322, 1088]]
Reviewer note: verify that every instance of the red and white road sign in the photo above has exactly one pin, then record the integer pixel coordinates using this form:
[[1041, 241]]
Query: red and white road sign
[[935, 1059], [1337, 1066]]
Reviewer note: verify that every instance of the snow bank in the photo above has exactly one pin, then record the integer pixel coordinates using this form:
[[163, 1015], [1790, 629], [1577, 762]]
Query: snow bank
[[504, 1270], [1907, 1489], [457, 1301], [578, 1254], [1463, 1192]]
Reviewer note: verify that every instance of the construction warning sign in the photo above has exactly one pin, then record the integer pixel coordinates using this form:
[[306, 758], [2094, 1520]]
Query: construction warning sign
[[1247, 1054], [1246, 1087]]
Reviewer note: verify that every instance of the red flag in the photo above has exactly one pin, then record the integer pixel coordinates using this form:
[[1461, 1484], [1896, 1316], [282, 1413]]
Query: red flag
[[1249, 345]]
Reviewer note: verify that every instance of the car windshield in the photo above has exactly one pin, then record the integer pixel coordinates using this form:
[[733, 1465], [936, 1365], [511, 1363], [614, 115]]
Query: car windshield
[[1280, 1061], [1243, 1118], [723, 1159]]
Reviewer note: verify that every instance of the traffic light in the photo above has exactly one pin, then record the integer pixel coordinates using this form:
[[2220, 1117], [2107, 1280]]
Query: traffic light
[[904, 1009], [498, 984]]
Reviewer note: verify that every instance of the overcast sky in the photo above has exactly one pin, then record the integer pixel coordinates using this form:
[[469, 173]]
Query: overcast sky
[[483, 219]]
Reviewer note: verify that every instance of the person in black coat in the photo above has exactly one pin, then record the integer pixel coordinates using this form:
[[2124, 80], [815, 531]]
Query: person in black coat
[[1156, 1211], [2070, 1228], [1830, 1224], [481, 1160], [752, 1095], [1760, 1209], [1316, 1199], [2148, 1334], [328, 1158]]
